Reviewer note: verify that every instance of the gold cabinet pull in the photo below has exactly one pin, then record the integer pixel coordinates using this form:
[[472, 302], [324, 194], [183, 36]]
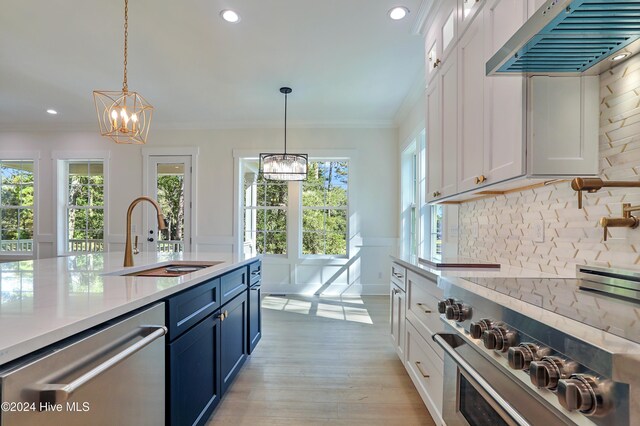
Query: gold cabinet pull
[[436, 194], [437, 63], [480, 179], [421, 305], [221, 316], [419, 366]]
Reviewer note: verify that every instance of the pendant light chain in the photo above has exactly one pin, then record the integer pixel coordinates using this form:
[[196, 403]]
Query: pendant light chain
[[285, 123], [125, 88]]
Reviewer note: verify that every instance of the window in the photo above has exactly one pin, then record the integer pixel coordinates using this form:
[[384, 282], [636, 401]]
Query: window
[[84, 209], [308, 218], [16, 206], [324, 208], [436, 231], [265, 215]]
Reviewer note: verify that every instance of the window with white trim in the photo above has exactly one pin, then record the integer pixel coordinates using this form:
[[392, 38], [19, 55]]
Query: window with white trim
[[315, 211], [265, 215], [84, 209], [16, 206], [325, 204]]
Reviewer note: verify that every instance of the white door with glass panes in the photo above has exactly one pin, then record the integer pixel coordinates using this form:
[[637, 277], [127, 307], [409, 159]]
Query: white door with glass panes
[[170, 183]]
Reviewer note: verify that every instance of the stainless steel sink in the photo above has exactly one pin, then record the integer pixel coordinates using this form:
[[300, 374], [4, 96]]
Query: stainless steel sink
[[168, 269]]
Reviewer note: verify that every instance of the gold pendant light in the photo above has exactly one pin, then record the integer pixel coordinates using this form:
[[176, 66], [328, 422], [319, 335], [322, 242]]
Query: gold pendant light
[[284, 166], [123, 116]]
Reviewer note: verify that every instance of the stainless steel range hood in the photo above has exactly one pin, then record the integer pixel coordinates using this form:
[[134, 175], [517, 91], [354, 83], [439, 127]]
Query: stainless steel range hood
[[571, 37]]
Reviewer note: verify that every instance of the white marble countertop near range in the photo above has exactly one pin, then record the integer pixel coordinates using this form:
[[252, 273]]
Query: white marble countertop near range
[[411, 263], [44, 301]]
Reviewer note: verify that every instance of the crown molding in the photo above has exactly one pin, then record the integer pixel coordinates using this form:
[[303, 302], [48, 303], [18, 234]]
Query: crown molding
[[421, 16]]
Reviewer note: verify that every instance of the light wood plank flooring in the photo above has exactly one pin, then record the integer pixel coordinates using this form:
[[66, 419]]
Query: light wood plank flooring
[[323, 361]]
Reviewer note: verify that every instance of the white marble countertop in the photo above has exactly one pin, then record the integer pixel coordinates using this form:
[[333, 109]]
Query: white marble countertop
[[433, 273], [47, 300]]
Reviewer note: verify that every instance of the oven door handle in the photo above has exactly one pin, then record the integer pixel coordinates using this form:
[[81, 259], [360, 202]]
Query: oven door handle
[[517, 417]]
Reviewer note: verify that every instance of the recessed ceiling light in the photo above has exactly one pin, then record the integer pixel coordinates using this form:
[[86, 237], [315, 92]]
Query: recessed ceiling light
[[230, 16], [619, 56], [398, 13], [52, 111]]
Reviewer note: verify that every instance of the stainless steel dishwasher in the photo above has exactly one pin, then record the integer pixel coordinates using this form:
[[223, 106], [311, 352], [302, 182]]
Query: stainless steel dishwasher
[[110, 375]]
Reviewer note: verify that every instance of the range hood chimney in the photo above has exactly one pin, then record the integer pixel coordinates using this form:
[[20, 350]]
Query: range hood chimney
[[571, 37]]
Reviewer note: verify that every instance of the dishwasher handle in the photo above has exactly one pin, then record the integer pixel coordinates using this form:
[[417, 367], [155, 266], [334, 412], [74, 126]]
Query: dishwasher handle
[[54, 393]]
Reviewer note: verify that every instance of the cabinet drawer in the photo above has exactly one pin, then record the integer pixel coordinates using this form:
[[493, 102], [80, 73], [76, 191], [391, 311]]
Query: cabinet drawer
[[232, 284], [187, 308], [422, 311], [425, 369], [398, 275], [255, 272]]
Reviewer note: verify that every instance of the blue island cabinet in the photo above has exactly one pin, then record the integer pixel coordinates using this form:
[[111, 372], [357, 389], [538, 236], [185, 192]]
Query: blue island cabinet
[[207, 344]]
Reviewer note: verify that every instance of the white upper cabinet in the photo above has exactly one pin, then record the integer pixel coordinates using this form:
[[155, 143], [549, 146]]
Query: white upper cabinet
[[534, 5], [441, 38], [504, 112], [442, 132], [563, 126], [482, 131], [467, 11], [471, 94], [434, 141]]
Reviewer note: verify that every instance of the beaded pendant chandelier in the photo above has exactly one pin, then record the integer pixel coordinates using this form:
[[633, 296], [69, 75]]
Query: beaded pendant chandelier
[[284, 166], [124, 116]]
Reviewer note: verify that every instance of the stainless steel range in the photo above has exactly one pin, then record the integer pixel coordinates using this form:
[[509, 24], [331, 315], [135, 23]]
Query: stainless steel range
[[538, 352]]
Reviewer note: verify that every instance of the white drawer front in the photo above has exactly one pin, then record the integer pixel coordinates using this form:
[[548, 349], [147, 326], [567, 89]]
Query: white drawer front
[[399, 275], [425, 369], [422, 311]]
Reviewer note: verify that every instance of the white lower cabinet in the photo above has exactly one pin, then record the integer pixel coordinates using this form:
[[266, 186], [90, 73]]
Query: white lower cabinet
[[421, 356], [398, 309], [425, 368]]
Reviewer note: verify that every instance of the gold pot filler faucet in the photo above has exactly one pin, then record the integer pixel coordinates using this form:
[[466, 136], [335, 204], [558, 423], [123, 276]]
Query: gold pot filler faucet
[[592, 185], [162, 225]]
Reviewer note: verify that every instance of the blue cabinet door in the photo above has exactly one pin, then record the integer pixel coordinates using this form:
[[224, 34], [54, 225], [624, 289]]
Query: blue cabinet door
[[194, 374], [255, 317], [233, 338]]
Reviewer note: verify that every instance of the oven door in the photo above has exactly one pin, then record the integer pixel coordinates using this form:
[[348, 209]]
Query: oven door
[[477, 392]]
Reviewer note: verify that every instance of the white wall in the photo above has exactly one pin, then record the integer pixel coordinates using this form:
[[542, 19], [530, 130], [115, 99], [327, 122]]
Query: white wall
[[374, 184]]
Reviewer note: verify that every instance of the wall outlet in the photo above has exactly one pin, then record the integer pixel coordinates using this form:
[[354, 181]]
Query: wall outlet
[[537, 228]]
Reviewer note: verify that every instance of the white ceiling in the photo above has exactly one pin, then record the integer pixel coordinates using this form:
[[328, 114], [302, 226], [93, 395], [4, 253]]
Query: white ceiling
[[347, 62]]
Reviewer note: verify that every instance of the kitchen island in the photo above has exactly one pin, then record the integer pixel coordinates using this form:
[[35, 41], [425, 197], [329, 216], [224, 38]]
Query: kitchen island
[[47, 300], [211, 318]]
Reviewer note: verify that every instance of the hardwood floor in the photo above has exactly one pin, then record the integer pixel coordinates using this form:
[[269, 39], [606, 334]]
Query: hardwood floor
[[323, 361]]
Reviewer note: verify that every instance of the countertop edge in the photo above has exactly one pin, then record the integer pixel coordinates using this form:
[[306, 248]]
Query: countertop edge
[[11, 353]]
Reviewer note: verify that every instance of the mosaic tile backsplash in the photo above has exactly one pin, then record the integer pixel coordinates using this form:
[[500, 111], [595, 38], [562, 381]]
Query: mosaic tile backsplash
[[501, 229]]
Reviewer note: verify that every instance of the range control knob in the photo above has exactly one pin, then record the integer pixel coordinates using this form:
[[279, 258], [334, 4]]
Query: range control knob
[[547, 372], [520, 357], [442, 305], [582, 393], [458, 312], [499, 338], [476, 329]]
